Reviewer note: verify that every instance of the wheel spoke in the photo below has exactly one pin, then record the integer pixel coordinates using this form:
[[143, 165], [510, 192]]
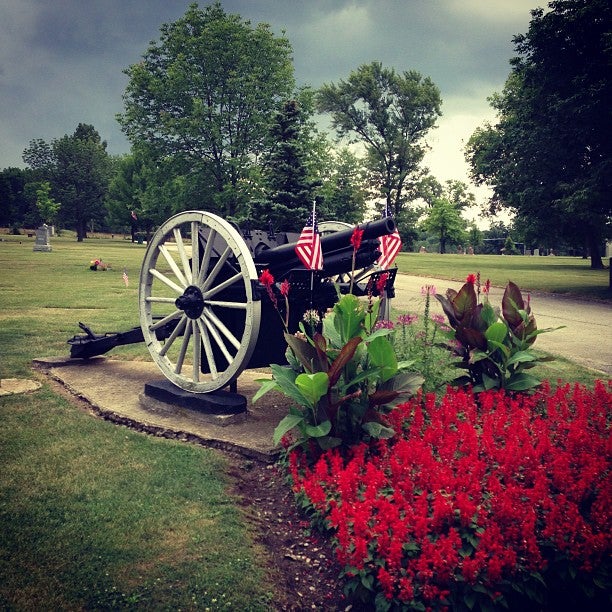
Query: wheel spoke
[[164, 279], [176, 332], [217, 338], [211, 277], [161, 300], [182, 254], [181, 277], [197, 347], [206, 257], [210, 358], [183, 351], [236, 305], [224, 285], [209, 314], [195, 249], [174, 315]]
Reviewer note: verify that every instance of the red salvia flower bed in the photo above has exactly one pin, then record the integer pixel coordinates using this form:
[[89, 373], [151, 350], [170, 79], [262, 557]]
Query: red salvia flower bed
[[476, 500]]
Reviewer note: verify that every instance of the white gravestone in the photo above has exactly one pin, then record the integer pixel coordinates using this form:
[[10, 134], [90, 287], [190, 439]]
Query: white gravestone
[[42, 239]]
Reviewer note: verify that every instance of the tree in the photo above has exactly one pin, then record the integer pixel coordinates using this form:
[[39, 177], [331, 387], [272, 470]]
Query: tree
[[456, 192], [390, 114], [444, 219], [47, 206], [290, 190], [548, 157], [203, 96], [344, 195], [14, 203], [78, 169]]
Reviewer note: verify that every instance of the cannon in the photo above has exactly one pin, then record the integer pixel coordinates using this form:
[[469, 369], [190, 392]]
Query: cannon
[[204, 315]]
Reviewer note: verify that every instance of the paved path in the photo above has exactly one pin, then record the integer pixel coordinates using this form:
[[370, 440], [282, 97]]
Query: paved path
[[586, 338]]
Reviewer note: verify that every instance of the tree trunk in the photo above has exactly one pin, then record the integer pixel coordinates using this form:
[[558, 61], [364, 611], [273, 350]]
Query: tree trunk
[[594, 253]]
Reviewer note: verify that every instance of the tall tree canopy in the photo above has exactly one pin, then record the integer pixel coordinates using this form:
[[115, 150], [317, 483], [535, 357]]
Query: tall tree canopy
[[78, 168], [390, 114], [204, 95], [548, 156]]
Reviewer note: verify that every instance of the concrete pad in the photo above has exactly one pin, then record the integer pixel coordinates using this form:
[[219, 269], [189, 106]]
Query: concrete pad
[[14, 386], [115, 390]]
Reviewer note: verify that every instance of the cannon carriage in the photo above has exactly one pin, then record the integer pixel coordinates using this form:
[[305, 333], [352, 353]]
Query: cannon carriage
[[204, 315]]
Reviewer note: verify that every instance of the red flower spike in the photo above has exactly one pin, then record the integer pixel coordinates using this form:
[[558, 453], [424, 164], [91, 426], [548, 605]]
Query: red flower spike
[[266, 278], [356, 238], [471, 279], [284, 288]]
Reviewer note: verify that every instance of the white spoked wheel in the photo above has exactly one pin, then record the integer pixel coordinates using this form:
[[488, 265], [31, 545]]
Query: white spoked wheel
[[197, 280]]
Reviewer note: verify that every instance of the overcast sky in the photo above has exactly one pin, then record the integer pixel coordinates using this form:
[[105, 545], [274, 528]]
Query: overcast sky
[[62, 61]]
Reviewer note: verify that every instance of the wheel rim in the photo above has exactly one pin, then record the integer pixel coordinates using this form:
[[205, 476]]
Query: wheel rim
[[205, 288]]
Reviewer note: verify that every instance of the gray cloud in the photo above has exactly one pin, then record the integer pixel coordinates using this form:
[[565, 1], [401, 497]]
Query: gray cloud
[[61, 62]]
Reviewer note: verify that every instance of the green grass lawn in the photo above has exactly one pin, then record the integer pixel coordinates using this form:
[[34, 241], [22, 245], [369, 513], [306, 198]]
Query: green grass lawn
[[569, 275], [94, 516]]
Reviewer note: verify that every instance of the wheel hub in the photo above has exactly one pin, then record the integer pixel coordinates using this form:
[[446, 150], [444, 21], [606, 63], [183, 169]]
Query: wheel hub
[[191, 302]]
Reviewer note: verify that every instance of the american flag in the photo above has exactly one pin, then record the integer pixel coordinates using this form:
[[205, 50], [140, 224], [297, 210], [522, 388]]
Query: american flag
[[308, 247], [126, 280], [390, 246]]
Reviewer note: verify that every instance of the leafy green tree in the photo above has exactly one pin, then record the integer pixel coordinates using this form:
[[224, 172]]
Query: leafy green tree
[[203, 96], [47, 206], [78, 168], [444, 219], [14, 204], [475, 237], [548, 157], [390, 114], [455, 191], [344, 194]]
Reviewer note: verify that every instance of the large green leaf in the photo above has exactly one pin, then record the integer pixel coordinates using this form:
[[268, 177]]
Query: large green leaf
[[285, 378], [267, 385], [313, 386], [522, 382], [318, 431], [382, 355], [286, 425], [522, 357], [349, 317], [377, 430]]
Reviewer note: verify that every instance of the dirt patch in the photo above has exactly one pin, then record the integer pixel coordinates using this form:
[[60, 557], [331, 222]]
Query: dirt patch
[[300, 561]]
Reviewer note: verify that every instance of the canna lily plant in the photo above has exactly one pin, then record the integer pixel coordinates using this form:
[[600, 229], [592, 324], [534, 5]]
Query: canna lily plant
[[495, 347], [343, 380]]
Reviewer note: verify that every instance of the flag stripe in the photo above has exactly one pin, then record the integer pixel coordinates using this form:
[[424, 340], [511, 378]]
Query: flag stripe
[[390, 246], [308, 246]]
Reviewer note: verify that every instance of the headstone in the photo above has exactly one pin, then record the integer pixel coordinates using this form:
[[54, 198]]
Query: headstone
[[609, 248], [42, 239], [536, 252]]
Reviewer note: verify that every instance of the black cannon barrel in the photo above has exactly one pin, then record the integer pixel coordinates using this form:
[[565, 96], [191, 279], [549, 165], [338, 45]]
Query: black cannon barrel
[[330, 242], [335, 262]]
